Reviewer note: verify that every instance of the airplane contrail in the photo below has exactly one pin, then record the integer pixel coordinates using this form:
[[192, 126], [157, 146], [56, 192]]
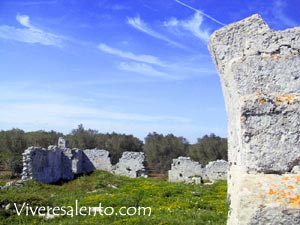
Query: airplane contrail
[[197, 10]]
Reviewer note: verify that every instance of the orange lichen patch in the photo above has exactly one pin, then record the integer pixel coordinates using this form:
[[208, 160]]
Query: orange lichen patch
[[286, 98], [290, 187], [272, 192], [285, 178], [283, 194], [262, 101], [275, 56], [295, 201], [279, 199]]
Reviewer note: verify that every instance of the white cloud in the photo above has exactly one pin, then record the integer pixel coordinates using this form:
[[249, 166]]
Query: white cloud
[[29, 34], [22, 102], [192, 25], [144, 69], [171, 22], [129, 55], [140, 25], [23, 20]]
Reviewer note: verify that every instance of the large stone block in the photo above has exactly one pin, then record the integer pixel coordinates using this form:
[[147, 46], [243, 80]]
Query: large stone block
[[264, 198], [260, 75]]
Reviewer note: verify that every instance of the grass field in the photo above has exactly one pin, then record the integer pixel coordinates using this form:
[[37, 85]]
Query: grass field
[[170, 203]]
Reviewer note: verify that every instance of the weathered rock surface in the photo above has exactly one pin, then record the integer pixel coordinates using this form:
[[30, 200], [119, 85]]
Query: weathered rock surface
[[260, 75], [131, 164]]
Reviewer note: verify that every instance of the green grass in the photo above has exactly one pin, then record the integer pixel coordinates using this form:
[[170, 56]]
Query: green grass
[[171, 203]]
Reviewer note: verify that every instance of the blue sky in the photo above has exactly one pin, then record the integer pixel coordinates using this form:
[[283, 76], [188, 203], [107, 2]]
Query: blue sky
[[133, 66]]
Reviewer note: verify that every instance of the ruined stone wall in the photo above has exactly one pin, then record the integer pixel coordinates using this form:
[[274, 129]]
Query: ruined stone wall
[[131, 164], [97, 159], [183, 169], [216, 170], [54, 164], [260, 75]]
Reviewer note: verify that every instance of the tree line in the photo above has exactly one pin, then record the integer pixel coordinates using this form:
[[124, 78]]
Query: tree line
[[160, 149]]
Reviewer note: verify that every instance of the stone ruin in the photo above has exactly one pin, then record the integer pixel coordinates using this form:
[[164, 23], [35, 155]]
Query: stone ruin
[[216, 170], [131, 164], [260, 75], [97, 159], [183, 169], [186, 170], [61, 163]]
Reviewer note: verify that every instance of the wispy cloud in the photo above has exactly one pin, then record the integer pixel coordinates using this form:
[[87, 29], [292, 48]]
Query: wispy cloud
[[129, 55], [25, 113], [152, 66], [192, 25], [55, 110], [65, 117], [278, 13], [199, 11], [145, 69], [30, 33], [140, 25]]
